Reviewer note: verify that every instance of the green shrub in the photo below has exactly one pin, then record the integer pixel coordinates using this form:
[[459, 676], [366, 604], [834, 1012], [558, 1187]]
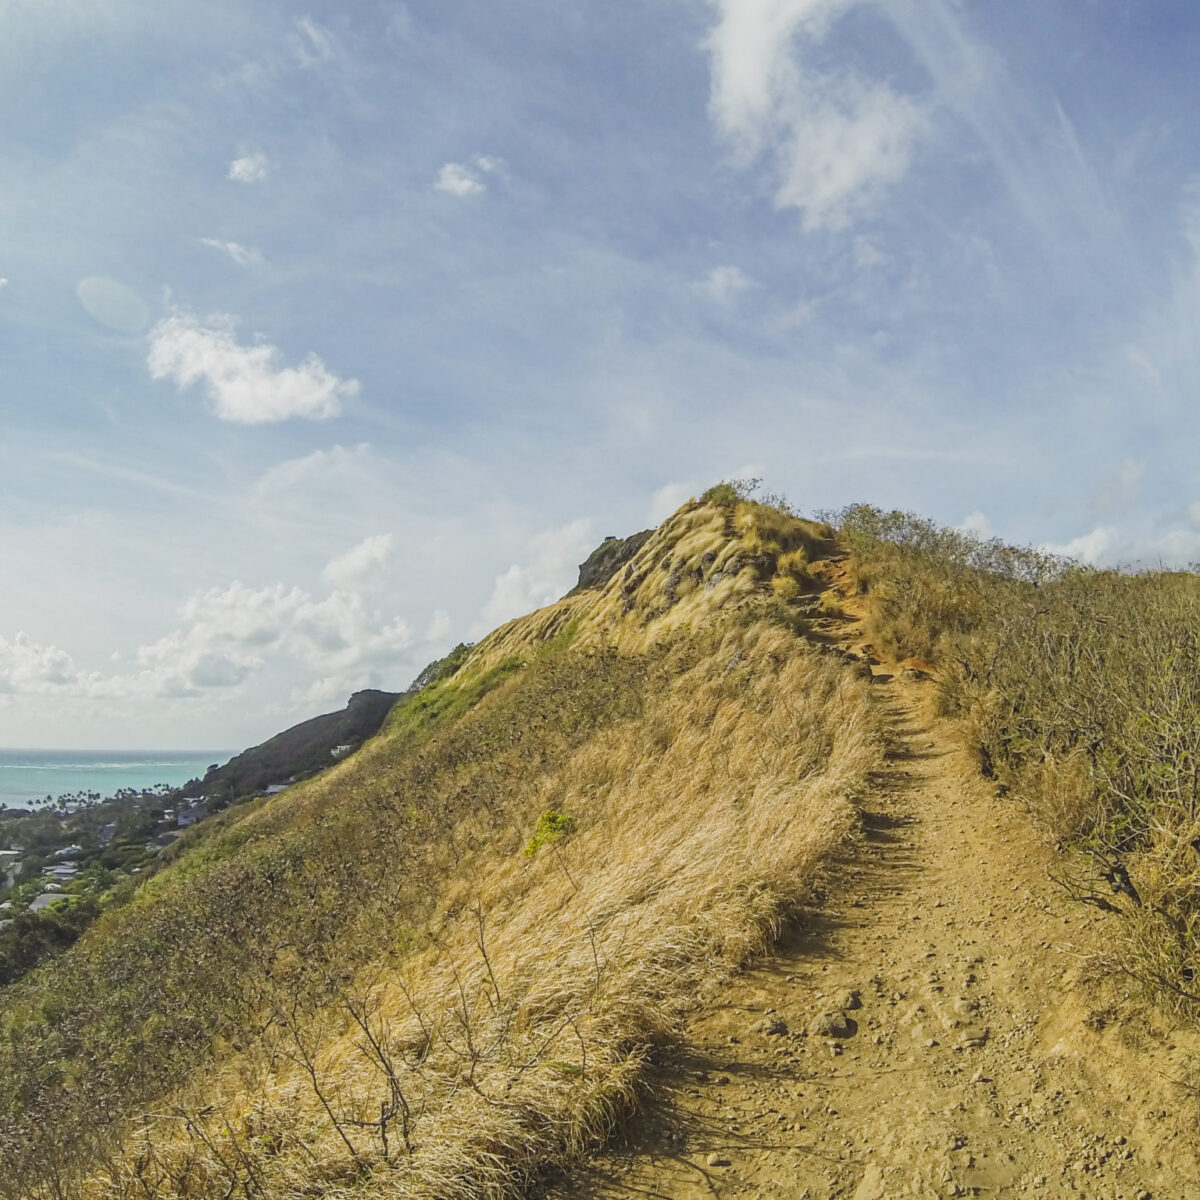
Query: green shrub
[[724, 495], [729, 492], [550, 827]]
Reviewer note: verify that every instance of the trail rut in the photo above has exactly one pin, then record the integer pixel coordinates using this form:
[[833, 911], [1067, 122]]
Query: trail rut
[[927, 1028]]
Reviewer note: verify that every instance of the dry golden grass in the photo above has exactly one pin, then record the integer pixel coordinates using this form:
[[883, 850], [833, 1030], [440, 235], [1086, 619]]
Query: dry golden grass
[[515, 1036], [520, 1034], [703, 559]]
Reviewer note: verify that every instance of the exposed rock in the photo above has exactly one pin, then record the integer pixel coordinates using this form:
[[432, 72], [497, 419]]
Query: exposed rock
[[833, 1024], [770, 1027], [671, 586], [731, 570], [607, 559]]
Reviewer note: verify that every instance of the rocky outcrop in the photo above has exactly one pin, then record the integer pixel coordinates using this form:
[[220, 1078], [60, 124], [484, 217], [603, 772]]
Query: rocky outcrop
[[607, 559]]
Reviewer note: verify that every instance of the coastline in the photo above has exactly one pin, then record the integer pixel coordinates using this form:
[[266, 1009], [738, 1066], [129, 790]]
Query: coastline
[[32, 778]]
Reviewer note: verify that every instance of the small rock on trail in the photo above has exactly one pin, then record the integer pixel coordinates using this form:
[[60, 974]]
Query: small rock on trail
[[770, 1027], [834, 1024]]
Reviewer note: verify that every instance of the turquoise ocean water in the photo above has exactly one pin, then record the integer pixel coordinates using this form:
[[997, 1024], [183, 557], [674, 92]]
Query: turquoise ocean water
[[29, 776]]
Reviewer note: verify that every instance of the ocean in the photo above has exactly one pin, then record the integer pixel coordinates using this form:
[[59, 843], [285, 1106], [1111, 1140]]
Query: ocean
[[27, 777]]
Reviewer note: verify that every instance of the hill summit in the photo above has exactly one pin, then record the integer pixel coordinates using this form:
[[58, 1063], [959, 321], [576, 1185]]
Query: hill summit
[[721, 837]]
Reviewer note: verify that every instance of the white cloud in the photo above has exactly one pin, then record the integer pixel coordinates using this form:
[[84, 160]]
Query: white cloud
[[725, 284], [1120, 489], [243, 256], [339, 463], [27, 667], [399, 25], [229, 634], [1179, 547], [359, 562], [243, 383], [867, 254], [555, 556], [977, 524], [1097, 548], [440, 626], [835, 141], [250, 168], [113, 304], [467, 179], [667, 499], [3, 281], [458, 180], [797, 316]]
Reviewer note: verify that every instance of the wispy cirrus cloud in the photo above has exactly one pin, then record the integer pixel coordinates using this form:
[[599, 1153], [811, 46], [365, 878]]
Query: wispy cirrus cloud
[[242, 256], [356, 565], [244, 384], [313, 44], [834, 140], [1030, 140]]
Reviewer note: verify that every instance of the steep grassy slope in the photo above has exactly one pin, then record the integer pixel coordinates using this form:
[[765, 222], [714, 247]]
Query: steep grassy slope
[[441, 965]]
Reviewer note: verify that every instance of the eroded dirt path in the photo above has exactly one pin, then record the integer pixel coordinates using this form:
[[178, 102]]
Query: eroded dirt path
[[924, 1030]]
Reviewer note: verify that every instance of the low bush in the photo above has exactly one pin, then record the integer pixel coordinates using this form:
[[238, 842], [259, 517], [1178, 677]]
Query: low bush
[[550, 827]]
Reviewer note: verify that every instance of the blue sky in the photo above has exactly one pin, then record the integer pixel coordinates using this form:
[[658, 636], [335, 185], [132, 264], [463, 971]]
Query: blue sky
[[331, 335]]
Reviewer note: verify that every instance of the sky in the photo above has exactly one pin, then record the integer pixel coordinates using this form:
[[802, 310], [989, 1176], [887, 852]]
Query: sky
[[332, 335]]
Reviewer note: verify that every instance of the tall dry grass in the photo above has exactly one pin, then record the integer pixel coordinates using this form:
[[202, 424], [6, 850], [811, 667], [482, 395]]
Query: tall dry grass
[[367, 988], [518, 1037]]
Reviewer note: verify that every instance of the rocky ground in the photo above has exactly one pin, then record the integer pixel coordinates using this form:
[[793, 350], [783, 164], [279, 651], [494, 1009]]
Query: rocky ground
[[928, 1029]]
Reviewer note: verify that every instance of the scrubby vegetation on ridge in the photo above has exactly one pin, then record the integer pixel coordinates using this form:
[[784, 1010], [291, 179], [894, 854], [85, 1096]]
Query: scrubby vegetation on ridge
[[1080, 690], [363, 986]]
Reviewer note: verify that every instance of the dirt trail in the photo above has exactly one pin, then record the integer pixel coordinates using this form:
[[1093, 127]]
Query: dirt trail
[[924, 1030]]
